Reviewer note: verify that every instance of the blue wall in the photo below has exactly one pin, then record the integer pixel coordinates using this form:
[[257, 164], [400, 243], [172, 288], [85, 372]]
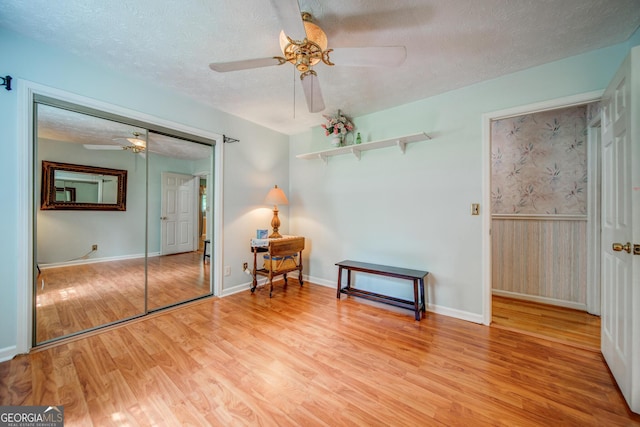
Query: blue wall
[[23, 58], [414, 210], [411, 210]]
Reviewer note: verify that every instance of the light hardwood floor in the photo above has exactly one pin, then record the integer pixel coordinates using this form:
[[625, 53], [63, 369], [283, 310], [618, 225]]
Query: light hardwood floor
[[304, 358], [80, 297], [563, 325]]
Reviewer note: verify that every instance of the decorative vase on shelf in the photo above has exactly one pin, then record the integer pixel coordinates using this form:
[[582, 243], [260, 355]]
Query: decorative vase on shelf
[[336, 141], [358, 139]]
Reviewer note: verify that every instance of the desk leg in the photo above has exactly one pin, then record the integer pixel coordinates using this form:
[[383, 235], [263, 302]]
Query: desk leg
[[416, 301], [300, 269], [339, 282], [270, 279], [254, 282]]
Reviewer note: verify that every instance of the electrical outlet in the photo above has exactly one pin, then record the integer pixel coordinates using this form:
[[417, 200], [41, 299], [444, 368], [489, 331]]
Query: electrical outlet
[[244, 266], [94, 247], [227, 270]]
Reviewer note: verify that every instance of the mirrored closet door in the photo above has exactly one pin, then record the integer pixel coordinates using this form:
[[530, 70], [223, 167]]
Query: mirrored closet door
[[177, 268], [119, 220]]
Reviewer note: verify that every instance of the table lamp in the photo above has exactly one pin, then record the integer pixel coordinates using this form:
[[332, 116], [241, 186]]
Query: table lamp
[[276, 197]]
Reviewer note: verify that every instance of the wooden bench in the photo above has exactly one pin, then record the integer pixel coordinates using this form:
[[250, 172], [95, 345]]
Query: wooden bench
[[278, 248], [418, 304]]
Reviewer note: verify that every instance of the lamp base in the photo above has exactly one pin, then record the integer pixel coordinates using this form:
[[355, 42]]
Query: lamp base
[[275, 224]]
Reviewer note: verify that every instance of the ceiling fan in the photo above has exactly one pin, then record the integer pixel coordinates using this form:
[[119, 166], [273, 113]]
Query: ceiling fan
[[304, 44], [136, 144]]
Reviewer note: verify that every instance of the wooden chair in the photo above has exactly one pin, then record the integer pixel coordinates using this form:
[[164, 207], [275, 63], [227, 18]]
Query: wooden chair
[[279, 249]]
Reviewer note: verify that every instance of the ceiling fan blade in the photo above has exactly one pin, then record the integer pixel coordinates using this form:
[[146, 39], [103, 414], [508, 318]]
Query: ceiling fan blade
[[312, 93], [288, 13], [223, 67], [101, 147], [384, 56]]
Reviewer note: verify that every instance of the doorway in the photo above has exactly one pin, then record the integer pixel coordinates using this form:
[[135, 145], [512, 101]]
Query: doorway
[[538, 216], [202, 212], [179, 213]]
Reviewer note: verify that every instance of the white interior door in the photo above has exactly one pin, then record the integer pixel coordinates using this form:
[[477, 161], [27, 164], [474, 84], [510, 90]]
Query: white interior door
[[179, 213], [620, 222]]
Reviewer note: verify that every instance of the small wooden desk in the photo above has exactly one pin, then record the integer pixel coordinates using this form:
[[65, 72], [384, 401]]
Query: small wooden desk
[[281, 247], [418, 304]]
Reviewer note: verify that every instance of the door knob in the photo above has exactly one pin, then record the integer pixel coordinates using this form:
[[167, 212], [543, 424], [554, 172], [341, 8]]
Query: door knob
[[618, 247], [164, 217]]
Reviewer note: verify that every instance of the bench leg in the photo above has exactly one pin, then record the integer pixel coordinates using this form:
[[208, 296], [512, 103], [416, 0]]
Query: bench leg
[[339, 282], [424, 301], [416, 300]]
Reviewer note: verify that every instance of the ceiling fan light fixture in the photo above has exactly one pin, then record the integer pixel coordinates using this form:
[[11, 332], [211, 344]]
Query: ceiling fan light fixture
[[138, 142], [304, 44], [308, 52]]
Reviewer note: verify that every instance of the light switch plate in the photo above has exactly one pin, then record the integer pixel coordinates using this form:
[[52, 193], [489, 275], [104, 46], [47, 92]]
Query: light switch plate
[[475, 209]]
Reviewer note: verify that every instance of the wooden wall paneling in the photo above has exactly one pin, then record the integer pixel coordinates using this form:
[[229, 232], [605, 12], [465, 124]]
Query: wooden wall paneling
[[542, 258]]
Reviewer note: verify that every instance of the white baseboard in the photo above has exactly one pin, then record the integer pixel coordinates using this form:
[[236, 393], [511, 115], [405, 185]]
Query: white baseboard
[[263, 281], [458, 314], [241, 288], [95, 260], [542, 300], [321, 282], [445, 311], [8, 353]]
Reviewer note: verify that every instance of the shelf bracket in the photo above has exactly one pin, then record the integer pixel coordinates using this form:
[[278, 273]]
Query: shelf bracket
[[401, 145], [6, 82], [356, 153], [324, 158]]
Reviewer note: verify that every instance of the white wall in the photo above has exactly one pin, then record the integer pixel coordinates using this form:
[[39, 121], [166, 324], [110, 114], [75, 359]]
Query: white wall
[[251, 166], [414, 210]]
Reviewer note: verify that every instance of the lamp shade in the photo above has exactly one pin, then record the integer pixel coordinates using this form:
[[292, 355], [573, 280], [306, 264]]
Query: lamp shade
[[276, 197]]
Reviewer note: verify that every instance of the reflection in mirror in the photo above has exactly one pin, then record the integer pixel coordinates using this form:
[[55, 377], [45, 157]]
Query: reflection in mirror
[[177, 268], [79, 288], [86, 188], [99, 267], [68, 186]]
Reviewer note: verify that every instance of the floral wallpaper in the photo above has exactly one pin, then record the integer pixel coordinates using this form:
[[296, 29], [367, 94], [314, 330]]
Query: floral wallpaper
[[539, 162]]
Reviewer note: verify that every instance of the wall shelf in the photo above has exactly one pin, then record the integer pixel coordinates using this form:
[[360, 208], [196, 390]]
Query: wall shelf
[[357, 149]]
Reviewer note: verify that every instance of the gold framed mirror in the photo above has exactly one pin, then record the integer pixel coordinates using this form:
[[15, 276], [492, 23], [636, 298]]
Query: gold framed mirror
[[66, 186]]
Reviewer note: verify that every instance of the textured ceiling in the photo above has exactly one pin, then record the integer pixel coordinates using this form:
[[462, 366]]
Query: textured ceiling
[[450, 44], [88, 132]]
